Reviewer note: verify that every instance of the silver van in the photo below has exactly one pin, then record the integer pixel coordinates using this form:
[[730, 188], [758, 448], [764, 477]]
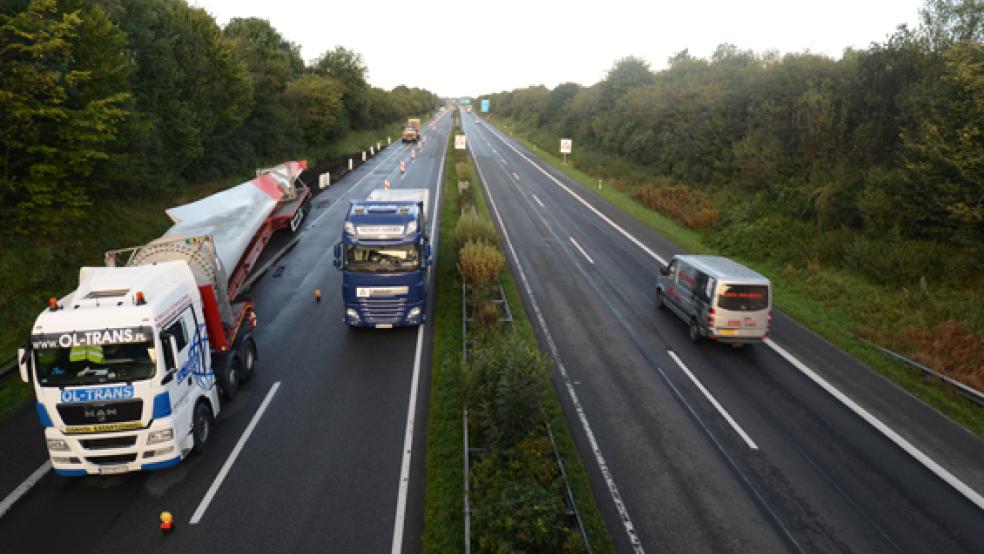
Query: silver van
[[718, 298]]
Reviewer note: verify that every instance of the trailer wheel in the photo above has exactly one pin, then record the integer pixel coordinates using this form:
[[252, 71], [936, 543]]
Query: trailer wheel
[[230, 377], [694, 331], [249, 358], [201, 426]]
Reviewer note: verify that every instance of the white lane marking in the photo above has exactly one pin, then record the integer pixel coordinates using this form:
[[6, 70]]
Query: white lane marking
[[623, 512], [515, 176], [22, 489], [581, 250], [197, 516], [401, 496], [710, 397], [887, 431], [586, 204], [354, 186], [900, 441], [537, 200]]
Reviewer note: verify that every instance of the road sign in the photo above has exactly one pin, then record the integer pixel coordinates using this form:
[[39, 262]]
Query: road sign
[[485, 105], [459, 142], [565, 146]]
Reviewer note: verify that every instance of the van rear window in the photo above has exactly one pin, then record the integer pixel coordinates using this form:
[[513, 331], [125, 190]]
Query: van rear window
[[744, 298]]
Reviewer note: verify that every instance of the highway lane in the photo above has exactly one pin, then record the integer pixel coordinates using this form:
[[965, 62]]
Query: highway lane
[[322, 467], [813, 475]]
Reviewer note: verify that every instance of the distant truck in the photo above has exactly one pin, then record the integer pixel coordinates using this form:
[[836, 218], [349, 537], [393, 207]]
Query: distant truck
[[384, 256], [717, 297], [128, 368], [411, 131]]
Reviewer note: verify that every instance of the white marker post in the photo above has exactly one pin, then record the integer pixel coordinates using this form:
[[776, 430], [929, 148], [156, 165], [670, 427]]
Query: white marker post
[[371, 151], [324, 180], [363, 155], [350, 164]]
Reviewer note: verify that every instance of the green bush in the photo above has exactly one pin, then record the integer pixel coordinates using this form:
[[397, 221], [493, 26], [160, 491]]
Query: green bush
[[504, 385], [775, 237], [466, 198], [479, 263], [907, 262], [474, 228]]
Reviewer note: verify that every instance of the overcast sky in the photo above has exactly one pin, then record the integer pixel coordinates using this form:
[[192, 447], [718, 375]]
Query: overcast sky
[[471, 47]]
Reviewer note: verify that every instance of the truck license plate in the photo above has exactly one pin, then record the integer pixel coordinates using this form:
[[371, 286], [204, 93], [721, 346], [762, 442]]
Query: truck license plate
[[114, 468], [384, 326]]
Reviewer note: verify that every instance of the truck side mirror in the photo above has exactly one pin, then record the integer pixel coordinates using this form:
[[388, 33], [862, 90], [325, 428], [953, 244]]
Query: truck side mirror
[[24, 364], [338, 256]]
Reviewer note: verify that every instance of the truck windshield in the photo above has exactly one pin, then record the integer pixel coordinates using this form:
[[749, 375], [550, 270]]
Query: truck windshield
[[96, 364], [744, 298], [382, 259]]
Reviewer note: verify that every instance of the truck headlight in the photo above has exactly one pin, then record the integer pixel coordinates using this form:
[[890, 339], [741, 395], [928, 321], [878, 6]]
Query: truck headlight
[[411, 228], [57, 444], [163, 435], [414, 312], [351, 314], [349, 228]]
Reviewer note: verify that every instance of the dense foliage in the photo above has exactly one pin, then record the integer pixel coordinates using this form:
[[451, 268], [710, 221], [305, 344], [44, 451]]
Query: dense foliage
[[888, 141], [106, 97]]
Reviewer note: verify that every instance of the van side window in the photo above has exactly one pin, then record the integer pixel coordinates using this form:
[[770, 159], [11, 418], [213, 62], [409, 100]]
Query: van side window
[[177, 329], [687, 279], [700, 288]]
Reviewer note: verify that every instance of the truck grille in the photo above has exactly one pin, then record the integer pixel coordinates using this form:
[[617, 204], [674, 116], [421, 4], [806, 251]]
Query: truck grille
[[114, 442], [383, 311], [104, 412], [112, 460]]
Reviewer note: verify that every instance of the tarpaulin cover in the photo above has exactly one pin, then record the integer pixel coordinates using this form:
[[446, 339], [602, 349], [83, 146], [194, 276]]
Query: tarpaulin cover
[[231, 217]]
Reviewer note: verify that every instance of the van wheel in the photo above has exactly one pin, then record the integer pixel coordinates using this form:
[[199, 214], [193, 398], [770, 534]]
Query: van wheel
[[694, 331], [230, 379], [249, 359], [660, 303], [201, 426]]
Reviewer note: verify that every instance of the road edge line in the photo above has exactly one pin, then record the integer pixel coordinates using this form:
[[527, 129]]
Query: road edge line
[[8, 501]]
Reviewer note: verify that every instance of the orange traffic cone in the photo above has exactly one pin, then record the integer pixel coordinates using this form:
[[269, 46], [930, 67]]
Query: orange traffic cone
[[167, 522], [317, 295]]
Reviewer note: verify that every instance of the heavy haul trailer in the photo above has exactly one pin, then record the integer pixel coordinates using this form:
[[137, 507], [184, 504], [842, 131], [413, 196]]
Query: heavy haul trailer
[[128, 368]]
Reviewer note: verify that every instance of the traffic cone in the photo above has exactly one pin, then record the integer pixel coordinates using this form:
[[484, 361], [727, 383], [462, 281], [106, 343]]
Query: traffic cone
[[167, 522], [317, 295], [386, 184]]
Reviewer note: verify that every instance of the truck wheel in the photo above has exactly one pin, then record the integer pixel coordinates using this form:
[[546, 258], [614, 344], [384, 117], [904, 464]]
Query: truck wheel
[[230, 378], [249, 358], [201, 426], [694, 331], [659, 299]]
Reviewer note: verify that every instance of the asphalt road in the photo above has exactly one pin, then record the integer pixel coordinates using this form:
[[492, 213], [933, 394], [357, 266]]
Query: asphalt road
[[325, 420], [796, 471]]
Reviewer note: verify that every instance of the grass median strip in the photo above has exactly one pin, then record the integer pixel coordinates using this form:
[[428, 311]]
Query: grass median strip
[[517, 502]]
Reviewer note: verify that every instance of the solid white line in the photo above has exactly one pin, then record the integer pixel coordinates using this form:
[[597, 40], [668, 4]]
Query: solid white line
[[401, 496], [515, 176], [22, 489], [581, 250], [537, 200], [888, 432], [197, 516], [734, 424], [623, 512], [586, 204], [900, 441]]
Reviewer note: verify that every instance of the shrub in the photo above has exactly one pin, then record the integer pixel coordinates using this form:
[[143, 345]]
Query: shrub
[[906, 262], [466, 197], [950, 347], [504, 385], [691, 208], [472, 228], [461, 170]]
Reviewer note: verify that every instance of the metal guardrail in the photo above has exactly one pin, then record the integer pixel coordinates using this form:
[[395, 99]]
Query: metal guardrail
[[970, 393]]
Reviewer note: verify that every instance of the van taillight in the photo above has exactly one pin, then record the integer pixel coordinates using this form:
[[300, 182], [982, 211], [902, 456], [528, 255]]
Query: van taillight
[[710, 317]]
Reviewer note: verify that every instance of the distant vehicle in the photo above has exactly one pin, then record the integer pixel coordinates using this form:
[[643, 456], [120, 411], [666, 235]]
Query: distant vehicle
[[718, 298], [128, 367], [384, 257], [411, 131]]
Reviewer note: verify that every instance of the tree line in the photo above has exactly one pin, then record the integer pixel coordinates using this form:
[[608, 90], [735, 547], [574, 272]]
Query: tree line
[[888, 140], [122, 97]]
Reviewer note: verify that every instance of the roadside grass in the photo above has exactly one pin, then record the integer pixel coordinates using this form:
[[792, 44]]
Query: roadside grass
[[33, 270], [444, 523], [832, 302]]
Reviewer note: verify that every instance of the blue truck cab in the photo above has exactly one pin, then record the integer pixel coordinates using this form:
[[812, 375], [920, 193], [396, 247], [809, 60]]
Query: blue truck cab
[[384, 257]]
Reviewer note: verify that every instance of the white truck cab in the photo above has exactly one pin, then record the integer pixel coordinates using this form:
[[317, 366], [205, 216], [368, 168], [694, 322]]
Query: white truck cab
[[123, 371]]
